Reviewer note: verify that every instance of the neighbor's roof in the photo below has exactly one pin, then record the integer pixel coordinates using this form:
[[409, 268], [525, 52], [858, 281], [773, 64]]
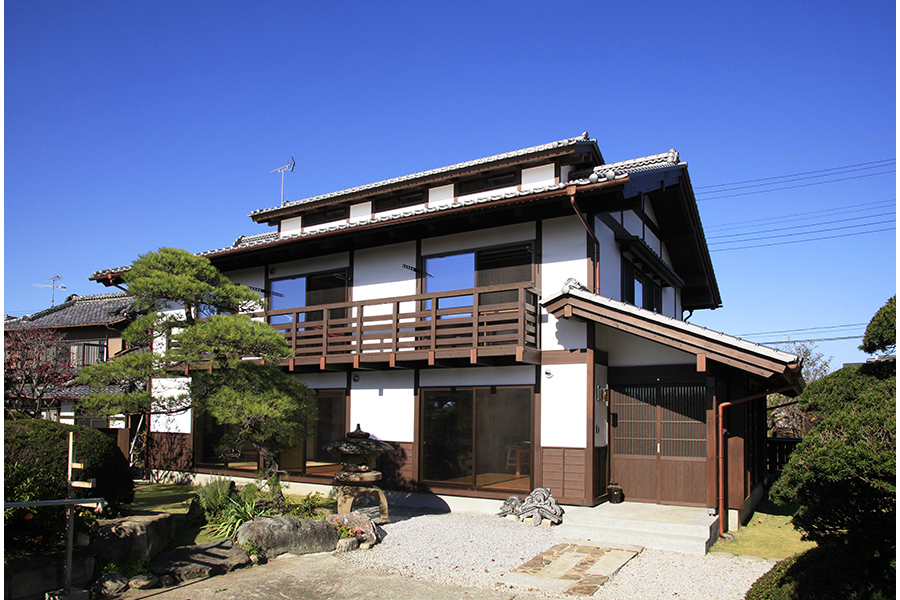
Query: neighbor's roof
[[779, 368], [79, 311]]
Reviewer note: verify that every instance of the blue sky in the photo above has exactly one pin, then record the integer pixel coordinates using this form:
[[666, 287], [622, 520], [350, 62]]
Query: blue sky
[[130, 126]]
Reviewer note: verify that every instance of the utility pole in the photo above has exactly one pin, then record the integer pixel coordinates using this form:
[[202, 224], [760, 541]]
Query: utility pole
[[53, 286]]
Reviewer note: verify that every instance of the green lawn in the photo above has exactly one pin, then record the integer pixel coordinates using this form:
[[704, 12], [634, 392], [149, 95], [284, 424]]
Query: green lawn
[[769, 534], [162, 497]]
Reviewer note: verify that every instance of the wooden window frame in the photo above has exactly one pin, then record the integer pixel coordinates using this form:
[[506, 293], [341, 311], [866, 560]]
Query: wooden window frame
[[396, 201], [487, 182], [326, 215]]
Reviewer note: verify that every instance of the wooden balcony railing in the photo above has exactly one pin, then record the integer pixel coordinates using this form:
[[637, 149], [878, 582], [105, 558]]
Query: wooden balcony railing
[[485, 321]]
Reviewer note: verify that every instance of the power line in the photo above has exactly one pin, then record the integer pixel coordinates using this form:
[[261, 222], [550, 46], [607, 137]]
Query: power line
[[791, 187], [769, 237], [794, 216], [714, 237], [827, 237], [804, 329], [797, 176], [831, 339]]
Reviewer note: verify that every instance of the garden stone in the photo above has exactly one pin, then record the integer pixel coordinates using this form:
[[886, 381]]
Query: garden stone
[[143, 582], [280, 535], [110, 584], [133, 537], [347, 545], [205, 560], [370, 532]]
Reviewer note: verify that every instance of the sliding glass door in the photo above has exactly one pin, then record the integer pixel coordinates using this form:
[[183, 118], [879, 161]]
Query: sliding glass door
[[477, 438]]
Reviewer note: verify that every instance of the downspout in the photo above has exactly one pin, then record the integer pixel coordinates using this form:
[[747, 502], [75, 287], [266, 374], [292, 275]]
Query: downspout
[[571, 190], [723, 504]]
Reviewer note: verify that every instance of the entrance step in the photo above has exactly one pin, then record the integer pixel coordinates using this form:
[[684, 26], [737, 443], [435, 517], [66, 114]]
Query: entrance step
[[675, 528]]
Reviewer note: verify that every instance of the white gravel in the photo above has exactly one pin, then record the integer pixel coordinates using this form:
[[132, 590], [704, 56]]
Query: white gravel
[[474, 550]]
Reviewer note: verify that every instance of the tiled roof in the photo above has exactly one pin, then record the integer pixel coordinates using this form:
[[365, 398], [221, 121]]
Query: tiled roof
[[634, 166], [442, 170], [788, 364], [99, 309], [607, 172]]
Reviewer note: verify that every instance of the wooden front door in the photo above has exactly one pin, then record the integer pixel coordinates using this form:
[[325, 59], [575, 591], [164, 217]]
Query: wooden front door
[[659, 443]]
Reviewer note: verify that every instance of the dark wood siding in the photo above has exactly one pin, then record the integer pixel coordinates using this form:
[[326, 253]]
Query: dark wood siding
[[397, 468], [563, 471], [171, 451]]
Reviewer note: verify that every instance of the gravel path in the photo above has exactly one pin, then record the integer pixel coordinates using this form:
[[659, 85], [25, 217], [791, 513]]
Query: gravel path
[[473, 550]]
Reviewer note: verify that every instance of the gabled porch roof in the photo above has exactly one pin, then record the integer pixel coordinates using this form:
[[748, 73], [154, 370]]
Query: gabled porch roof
[[776, 369]]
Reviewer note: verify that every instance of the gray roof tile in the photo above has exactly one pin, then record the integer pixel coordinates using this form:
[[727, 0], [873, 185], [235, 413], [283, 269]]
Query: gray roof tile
[[99, 309]]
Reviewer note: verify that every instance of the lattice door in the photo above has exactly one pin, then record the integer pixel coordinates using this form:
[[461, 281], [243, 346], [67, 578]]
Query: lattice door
[[659, 442]]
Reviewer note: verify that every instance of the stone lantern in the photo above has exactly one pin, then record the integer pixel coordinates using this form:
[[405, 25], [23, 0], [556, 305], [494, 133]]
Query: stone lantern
[[357, 475]]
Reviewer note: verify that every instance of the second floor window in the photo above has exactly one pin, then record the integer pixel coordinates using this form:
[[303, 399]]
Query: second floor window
[[306, 290], [639, 289], [479, 268], [88, 352]]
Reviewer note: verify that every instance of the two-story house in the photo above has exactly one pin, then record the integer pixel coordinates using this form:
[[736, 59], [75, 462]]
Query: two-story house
[[511, 322], [91, 327]]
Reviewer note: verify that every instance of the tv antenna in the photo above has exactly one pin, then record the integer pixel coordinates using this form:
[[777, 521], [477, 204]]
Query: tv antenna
[[53, 287], [290, 167]]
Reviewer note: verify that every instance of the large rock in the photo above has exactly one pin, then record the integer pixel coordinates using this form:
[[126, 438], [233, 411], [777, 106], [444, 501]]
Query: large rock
[[133, 537], [205, 560], [280, 535], [111, 584]]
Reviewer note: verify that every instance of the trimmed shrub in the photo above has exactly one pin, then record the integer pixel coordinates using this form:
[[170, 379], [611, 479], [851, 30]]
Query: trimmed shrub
[[41, 448], [828, 572], [35, 459]]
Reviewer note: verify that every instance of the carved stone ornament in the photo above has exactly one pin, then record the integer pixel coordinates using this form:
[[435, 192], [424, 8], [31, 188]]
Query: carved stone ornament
[[539, 505]]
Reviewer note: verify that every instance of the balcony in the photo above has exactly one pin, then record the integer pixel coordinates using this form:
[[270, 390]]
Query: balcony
[[495, 325]]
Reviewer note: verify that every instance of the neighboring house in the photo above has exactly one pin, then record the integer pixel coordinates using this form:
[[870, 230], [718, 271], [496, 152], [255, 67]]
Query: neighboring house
[[92, 327], [511, 322]]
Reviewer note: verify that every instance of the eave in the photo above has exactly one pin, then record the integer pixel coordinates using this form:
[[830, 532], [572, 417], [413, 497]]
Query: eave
[[775, 369], [465, 216]]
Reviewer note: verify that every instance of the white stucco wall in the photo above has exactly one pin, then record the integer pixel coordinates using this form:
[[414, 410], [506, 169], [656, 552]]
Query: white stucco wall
[[323, 381], [632, 223], [440, 196], [496, 236], [290, 226], [564, 255], [360, 211], [383, 403], [538, 176], [610, 262], [517, 375], [564, 406], [170, 388], [627, 350], [379, 273], [304, 266]]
